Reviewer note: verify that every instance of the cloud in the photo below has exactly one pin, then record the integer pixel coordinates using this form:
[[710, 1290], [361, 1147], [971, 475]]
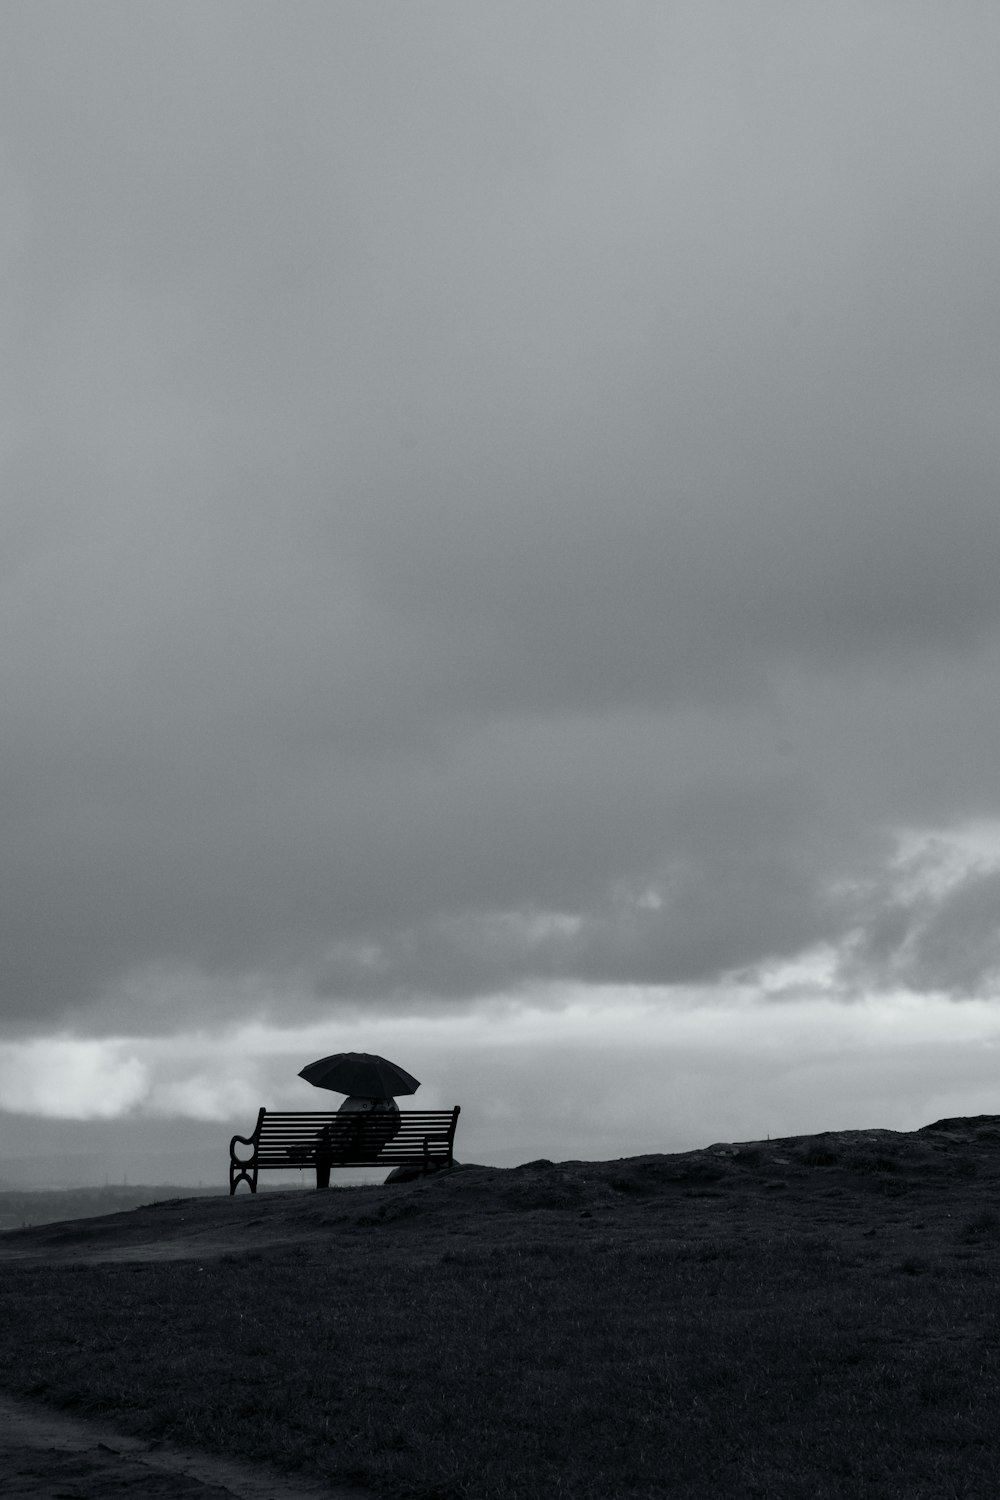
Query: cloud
[[489, 507], [65, 1077], [200, 1096], [932, 927]]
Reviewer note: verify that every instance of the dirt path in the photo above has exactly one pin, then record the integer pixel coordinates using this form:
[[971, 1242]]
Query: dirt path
[[47, 1456]]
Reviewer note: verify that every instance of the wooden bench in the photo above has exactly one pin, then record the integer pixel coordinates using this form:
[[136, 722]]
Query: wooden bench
[[286, 1141]]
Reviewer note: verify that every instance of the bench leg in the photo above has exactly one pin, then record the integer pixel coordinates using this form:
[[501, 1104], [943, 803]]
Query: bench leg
[[323, 1165]]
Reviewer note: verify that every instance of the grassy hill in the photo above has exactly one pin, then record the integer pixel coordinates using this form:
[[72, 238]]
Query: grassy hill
[[813, 1318]]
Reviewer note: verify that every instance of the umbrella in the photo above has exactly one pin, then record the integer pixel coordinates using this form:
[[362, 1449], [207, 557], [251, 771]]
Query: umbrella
[[360, 1073]]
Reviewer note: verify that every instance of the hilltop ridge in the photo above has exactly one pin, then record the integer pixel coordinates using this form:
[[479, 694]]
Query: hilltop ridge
[[872, 1161]]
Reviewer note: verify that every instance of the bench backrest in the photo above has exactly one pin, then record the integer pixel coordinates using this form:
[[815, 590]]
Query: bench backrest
[[397, 1138]]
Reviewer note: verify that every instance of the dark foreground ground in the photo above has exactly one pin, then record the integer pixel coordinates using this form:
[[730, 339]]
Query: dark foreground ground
[[805, 1319], [47, 1455]]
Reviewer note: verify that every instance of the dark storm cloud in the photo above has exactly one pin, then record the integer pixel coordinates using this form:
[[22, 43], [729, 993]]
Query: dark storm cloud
[[453, 462], [929, 935]]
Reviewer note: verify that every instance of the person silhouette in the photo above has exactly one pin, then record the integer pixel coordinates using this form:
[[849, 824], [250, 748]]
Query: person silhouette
[[362, 1128]]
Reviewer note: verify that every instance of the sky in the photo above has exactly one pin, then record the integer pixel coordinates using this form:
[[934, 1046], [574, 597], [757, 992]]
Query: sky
[[499, 568]]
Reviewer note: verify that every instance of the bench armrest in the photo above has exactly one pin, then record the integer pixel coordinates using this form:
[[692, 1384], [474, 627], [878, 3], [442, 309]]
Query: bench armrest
[[246, 1140]]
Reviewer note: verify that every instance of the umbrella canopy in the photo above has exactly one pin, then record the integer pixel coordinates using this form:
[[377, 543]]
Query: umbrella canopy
[[360, 1073]]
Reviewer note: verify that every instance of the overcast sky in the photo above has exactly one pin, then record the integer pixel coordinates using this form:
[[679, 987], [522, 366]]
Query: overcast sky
[[499, 563]]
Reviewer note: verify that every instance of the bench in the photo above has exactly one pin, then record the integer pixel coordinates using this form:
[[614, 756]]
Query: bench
[[286, 1141]]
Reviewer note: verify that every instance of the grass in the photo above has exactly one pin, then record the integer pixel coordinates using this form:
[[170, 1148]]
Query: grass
[[638, 1333], [24, 1207]]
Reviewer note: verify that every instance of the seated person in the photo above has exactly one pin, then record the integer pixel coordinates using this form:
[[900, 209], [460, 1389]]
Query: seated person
[[363, 1126]]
